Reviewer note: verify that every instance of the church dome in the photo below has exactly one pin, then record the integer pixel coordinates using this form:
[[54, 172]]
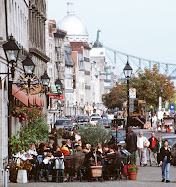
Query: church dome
[[73, 25]]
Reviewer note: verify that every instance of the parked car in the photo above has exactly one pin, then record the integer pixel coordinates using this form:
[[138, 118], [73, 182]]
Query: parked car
[[60, 123], [82, 118], [105, 122], [172, 145], [67, 131], [94, 114], [94, 120], [120, 138]]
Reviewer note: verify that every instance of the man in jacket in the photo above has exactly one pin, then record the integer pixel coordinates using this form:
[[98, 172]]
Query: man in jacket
[[153, 148], [131, 143]]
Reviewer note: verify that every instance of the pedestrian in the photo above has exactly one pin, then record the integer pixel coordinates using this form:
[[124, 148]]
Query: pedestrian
[[153, 148], [159, 145], [131, 143], [165, 161], [142, 145], [154, 125]]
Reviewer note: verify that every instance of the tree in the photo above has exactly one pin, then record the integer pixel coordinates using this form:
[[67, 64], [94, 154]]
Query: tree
[[94, 134], [150, 85], [116, 97]]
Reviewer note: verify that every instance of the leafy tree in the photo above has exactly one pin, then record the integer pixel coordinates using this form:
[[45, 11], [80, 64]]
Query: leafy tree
[[94, 134], [116, 97], [150, 85]]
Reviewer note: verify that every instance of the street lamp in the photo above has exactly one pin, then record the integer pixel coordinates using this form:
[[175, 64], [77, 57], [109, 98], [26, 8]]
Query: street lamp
[[28, 66], [127, 72], [59, 86], [45, 79], [11, 51]]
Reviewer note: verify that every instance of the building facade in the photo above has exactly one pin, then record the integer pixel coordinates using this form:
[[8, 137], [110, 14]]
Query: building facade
[[25, 20]]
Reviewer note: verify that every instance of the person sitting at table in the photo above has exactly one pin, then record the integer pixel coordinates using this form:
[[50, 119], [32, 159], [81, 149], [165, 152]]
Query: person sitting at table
[[42, 148], [113, 161], [99, 147], [32, 150], [65, 149], [50, 145], [88, 147]]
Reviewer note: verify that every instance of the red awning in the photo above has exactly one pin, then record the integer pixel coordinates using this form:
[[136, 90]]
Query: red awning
[[25, 99], [56, 96], [20, 95]]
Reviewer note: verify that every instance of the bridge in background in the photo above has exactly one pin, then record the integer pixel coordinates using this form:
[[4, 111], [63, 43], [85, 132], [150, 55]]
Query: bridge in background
[[118, 60]]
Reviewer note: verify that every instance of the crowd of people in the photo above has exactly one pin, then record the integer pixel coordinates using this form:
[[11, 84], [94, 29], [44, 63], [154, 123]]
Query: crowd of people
[[71, 156], [159, 152]]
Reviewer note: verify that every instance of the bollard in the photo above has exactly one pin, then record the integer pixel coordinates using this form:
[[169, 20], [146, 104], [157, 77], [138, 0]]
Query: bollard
[[6, 178]]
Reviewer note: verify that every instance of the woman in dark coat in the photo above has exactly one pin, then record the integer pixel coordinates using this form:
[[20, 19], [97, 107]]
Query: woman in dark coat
[[165, 156]]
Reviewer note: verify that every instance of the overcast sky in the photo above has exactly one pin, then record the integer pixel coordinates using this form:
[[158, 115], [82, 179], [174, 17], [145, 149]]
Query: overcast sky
[[145, 28]]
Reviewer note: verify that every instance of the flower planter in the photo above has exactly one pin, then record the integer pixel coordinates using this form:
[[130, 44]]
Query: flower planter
[[13, 175], [96, 171], [132, 175], [22, 176]]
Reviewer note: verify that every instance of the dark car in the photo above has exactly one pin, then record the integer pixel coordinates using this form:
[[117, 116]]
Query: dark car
[[105, 122], [120, 138], [67, 131], [60, 123]]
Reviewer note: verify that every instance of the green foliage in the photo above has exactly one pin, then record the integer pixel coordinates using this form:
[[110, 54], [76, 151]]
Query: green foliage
[[36, 130], [94, 134], [149, 85], [116, 97]]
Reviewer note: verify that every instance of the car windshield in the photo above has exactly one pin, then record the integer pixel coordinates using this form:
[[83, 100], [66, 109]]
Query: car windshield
[[63, 122], [95, 119]]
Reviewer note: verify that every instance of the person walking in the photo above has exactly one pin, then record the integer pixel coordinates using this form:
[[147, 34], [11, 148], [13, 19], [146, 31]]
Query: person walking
[[142, 145], [159, 145], [131, 143], [154, 125], [165, 161], [153, 148]]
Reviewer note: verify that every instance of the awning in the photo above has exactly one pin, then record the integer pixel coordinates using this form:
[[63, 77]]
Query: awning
[[20, 95], [25, 99], [89, 108], [56, 96]]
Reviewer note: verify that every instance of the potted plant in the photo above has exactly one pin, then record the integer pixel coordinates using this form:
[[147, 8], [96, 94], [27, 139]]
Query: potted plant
[[23, 169], [132, 171], [96, 168]]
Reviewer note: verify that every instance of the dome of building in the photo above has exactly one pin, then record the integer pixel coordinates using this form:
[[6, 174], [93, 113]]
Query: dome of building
[[73, 25]]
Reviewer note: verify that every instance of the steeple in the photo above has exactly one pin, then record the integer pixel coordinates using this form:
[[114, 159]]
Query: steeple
[[70, 7]]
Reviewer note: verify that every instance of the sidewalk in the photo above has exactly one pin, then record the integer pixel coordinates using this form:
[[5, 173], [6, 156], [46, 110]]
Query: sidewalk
[[147, 177]]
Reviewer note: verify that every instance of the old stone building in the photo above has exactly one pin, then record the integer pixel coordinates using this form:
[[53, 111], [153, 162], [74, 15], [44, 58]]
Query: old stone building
[[25, 20]]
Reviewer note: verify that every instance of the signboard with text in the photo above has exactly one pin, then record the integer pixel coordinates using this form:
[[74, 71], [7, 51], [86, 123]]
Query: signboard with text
[[132, 93]]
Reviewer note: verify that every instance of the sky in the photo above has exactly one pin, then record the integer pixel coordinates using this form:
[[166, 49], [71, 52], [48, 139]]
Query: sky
[[144, 28]]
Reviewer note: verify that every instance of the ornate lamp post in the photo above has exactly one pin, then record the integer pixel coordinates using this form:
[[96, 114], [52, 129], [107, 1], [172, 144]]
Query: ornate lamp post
[[11, 51], [28, 67], [127, 72], [59, 86]]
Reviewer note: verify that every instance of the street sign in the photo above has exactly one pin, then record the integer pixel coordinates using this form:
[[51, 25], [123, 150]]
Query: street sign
[[172, 108], [132, 93], [131, 105]]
